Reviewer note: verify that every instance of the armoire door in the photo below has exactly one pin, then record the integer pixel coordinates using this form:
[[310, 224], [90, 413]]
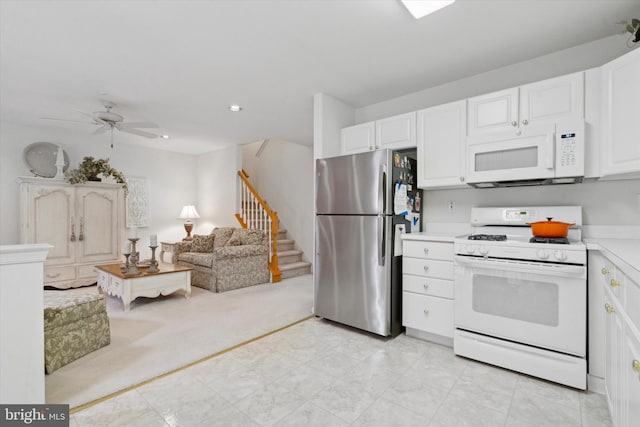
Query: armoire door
[[51, 212], [97, 211]]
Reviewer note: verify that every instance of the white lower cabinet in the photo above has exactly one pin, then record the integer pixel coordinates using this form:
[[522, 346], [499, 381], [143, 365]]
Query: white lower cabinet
[[621, 340], [427, 289]]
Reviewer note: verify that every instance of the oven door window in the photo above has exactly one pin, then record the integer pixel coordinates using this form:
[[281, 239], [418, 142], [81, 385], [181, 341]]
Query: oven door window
[[525, 299]]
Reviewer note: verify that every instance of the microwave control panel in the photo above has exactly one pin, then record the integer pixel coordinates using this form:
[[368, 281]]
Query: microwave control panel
[[570, 151]]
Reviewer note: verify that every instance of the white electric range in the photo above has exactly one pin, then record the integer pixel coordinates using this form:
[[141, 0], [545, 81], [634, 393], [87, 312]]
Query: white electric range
[[521, 303]]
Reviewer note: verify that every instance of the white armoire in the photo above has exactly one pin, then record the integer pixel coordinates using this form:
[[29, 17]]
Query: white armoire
[[81, 221]]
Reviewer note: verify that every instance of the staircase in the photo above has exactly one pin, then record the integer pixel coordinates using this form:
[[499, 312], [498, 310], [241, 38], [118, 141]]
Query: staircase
[[290, 259], [285, 260]]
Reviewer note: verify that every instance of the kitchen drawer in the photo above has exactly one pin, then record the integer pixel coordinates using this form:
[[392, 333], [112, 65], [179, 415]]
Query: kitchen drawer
[[86, 271], [632, 302], [431, 250], [56, 274], [428, 286], [427, 313], [427, 268]]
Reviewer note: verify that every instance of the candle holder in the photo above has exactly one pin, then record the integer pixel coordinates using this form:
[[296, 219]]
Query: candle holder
[[125, 267], [153, 268], [133, 258]]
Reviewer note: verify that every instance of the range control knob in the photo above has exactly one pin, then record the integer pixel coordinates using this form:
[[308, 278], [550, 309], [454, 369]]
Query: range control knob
[[542, 254], [470, 249], [560, 255], [483, 250]]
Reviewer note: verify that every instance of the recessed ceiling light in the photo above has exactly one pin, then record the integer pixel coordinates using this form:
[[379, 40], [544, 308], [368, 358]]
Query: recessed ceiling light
[[164, 136], [235, 108], [420, 8]]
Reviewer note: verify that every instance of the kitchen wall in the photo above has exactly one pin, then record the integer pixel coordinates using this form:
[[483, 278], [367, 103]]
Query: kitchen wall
[[604, 203], [282, 173], [171, 177]]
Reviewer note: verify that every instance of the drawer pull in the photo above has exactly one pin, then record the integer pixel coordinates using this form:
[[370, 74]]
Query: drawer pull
[[635, 365], [604, 271], [426, 251], [614, 283], [426, 311], [609, 308], [425, 286], [426, 268], [52, 276]]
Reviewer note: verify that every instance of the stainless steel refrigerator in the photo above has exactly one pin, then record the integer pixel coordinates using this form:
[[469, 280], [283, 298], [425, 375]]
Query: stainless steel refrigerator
[[357, 279]]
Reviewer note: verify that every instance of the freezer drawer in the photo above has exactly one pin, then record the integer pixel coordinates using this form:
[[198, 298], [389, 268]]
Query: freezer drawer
[[353, 271]]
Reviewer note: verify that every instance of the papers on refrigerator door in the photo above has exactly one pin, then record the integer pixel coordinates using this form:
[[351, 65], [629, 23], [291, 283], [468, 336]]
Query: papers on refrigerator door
[[397, 241], [400, 199]]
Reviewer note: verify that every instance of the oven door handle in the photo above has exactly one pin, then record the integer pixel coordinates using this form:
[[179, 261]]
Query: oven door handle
[[522, 266]]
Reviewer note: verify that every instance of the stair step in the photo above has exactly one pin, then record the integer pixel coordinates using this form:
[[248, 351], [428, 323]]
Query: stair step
[[288, 257], [282, 233], [295, 269], [285, 244]]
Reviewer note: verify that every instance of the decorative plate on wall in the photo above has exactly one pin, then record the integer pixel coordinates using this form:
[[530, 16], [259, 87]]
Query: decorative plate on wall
[[40, 157]]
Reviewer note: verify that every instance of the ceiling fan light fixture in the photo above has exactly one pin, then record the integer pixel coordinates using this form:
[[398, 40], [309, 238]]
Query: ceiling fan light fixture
[[235, 108], [421, 8]]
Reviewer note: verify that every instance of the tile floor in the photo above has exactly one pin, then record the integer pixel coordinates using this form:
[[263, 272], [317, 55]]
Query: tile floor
[[317, 373]]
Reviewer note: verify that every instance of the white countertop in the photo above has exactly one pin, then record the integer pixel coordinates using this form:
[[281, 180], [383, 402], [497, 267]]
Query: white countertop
[[625, 253], [431, 237]]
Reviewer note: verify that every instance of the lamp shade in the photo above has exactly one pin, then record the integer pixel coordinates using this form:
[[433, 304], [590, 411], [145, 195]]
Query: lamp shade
[[188, 212]]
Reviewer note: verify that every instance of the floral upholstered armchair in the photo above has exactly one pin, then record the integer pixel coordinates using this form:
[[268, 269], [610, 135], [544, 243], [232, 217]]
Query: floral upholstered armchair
[[228, 258]]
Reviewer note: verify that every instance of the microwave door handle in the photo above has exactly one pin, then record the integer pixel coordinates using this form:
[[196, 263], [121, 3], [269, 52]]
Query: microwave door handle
[[550, 157]]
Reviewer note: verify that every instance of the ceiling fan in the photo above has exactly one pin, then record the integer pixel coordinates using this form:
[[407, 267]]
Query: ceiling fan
[[108, 120]]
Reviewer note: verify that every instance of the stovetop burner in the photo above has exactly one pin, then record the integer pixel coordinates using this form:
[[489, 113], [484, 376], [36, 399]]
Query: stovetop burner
[[494, 237], [555, 240]]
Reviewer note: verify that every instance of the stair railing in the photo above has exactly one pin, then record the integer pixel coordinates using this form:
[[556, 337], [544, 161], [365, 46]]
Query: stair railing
[[255, 214]]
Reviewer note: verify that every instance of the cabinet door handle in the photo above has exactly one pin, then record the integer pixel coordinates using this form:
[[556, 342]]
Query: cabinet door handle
[[635, 365], [81, 236], [604, 271], [426, 311], [462, 179], [52, 276], [525, 122], [614, 283], [73, 231], [609, 308], [514, 123]]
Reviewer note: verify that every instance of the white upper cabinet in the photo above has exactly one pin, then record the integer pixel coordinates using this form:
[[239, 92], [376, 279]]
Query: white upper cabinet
[[393, 132], [620, 143], [492, 112], [547, 101], [396, 132], [441, 145], [358, 138]]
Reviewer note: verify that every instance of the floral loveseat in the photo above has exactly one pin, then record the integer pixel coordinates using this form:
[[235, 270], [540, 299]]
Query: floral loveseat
[[228, 258]]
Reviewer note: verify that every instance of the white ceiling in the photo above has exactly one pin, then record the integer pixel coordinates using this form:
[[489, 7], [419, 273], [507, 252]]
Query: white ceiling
[[181, 63]]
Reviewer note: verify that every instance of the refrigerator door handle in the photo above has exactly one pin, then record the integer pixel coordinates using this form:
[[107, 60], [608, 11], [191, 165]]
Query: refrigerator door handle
[[382, 190], [382, 238]]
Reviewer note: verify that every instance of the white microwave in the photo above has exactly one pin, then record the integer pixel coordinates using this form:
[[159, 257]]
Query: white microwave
[[534, 155]]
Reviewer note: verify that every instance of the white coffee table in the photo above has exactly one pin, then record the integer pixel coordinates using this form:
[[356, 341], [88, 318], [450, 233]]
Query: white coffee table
[[169, 279]]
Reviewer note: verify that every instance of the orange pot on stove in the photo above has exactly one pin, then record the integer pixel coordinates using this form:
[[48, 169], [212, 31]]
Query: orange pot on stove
[[550, 228]]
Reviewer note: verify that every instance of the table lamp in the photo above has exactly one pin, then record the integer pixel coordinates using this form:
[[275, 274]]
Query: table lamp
[[188, 213]]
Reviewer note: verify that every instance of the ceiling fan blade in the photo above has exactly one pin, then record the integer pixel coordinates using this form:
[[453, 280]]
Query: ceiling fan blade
[[66, 120], [100, 130], [137, 132], [131, 125]]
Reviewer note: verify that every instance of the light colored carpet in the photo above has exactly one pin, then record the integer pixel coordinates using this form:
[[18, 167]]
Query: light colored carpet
[[166, 333]]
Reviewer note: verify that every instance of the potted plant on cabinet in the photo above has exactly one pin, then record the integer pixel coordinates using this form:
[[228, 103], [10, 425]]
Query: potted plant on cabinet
[[91, 169]]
